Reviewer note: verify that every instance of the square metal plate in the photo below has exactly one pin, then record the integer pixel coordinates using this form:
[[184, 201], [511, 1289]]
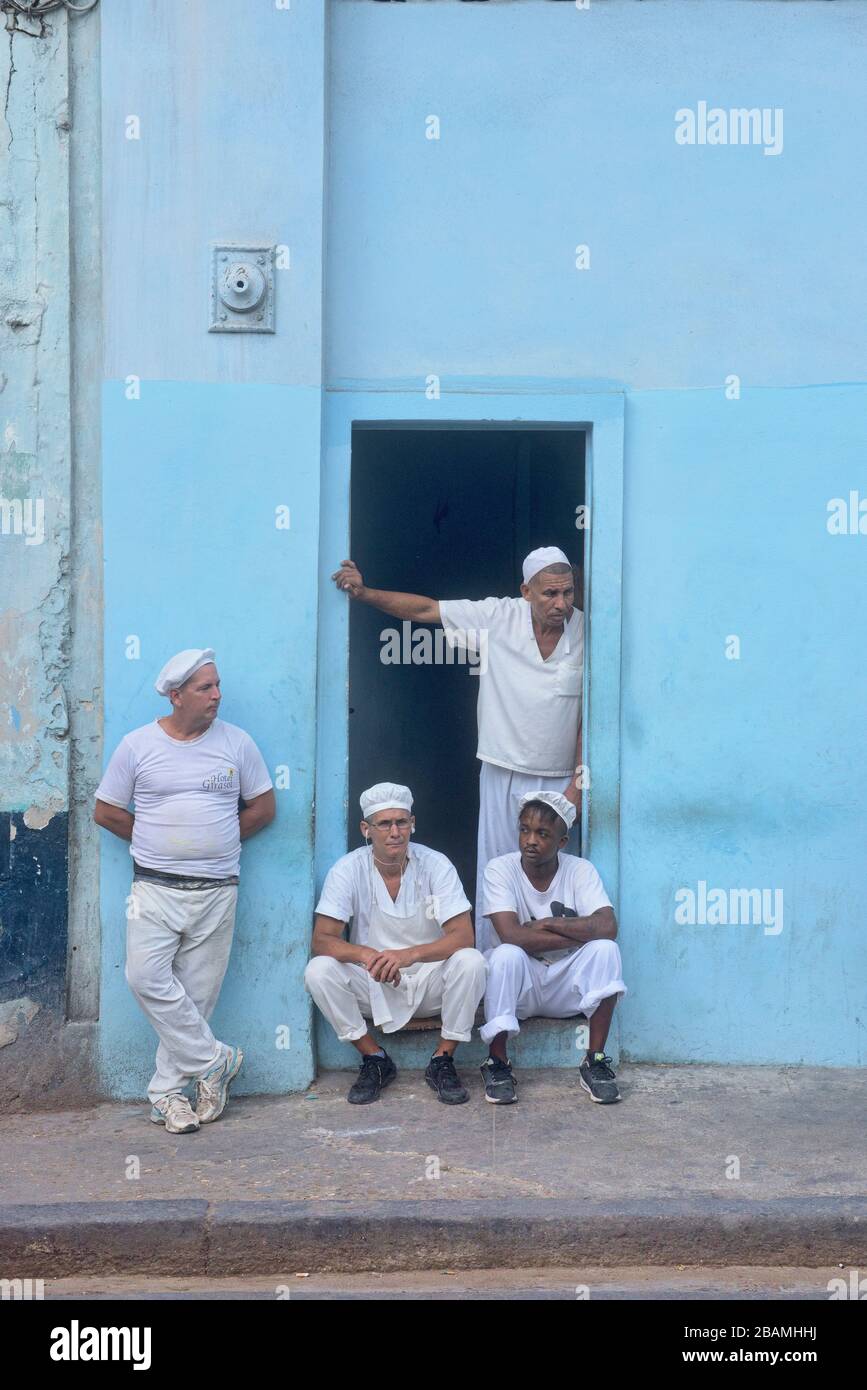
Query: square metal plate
[[241, 288]]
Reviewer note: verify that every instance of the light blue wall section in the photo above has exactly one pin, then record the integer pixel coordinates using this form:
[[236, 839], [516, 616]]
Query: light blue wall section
[[744, 773], [230, 101], [231, 110], [456, 256], [557, 129], [192, 477]]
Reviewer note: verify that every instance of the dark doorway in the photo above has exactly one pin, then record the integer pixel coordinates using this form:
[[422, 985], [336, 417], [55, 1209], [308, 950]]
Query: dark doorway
[[449, 513]]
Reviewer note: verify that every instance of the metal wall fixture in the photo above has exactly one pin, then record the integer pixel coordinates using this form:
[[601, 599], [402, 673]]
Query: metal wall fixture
[[242, 289]]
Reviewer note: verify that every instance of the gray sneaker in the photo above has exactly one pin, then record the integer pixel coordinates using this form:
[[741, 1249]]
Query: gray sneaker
[[212, 1089], [176, 1113], [598, 1079], [500, 1085]]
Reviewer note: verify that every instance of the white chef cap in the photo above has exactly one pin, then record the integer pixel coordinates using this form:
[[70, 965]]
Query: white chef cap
[[542, 558], [179, 668], [385, 796], [559, 803]]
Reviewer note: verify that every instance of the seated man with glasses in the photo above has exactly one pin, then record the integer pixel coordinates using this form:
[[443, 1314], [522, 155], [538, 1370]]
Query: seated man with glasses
[[410, 950]]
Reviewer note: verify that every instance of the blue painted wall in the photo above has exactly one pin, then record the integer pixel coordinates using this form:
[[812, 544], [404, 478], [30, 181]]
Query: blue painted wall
[[743, 773], [557, 129], [204, 437], [193, 558], [456, 257]]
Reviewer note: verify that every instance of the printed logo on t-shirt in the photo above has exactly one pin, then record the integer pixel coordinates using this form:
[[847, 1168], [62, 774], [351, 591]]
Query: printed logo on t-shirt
[[220, 781]]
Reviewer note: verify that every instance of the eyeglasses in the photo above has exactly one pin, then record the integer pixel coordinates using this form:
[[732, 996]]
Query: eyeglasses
[[401, 824]]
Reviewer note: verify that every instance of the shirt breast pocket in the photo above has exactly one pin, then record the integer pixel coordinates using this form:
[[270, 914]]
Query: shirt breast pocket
[[568, 681]]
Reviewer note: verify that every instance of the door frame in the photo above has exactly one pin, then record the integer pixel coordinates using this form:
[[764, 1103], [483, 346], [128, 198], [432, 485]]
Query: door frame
[[493, 404]]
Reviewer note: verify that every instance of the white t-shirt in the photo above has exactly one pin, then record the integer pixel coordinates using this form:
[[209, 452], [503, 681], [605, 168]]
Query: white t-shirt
[[576, 885], [185, 796], [529, 709], [346, 891]]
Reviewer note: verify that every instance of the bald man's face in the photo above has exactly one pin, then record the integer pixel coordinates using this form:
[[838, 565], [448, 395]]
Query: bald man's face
[[198, 699], [551, 597]]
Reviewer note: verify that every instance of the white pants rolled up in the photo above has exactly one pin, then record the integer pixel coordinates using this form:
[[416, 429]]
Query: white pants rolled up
[[520, 986], [177, 950], [500, 792], [453, 990]]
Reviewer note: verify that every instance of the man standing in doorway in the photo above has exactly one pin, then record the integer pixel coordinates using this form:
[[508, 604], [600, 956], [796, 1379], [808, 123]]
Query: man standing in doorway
[[185, 773], [530, 691], [410, 950]]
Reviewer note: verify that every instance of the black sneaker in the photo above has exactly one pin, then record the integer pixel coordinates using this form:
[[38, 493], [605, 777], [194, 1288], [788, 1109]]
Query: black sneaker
[[500, 1085], [441, 1076], [374, 1073], [598, 1079]]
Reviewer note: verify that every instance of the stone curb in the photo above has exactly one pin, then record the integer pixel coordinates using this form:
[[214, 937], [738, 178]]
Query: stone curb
[[196, 1237]]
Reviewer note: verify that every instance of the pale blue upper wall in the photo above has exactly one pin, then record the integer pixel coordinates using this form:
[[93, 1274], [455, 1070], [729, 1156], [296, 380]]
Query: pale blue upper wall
[[557, 128], [230, 103]]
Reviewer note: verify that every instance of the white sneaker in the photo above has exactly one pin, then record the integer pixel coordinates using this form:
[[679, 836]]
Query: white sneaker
[[212, 1089], [176, 1113]]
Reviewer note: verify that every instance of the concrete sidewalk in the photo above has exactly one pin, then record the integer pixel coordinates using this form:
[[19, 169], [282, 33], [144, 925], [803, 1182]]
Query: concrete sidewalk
[[309, 1182]]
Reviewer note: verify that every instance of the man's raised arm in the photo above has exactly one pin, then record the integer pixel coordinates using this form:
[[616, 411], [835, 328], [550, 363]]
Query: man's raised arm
[[413, 607]]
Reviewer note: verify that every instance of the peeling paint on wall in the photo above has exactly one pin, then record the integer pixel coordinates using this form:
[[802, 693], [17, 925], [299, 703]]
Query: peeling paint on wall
[[35, 512], [37, 817], [15, 1015]]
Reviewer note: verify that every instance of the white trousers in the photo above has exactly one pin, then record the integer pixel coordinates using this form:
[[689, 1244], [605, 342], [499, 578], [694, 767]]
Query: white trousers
[[453, 990], [177, 950], [520, 986], [500, 791]]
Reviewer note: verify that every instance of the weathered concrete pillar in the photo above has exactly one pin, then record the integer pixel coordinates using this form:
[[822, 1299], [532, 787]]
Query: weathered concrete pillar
[[49, 570]]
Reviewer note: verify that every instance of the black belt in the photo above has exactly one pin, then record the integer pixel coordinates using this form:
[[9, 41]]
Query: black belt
[[184, 881]]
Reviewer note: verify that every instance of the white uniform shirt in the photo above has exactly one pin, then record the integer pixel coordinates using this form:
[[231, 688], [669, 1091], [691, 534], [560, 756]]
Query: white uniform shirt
[[529, 709], [186, 796], [576, 884], [346, 891]]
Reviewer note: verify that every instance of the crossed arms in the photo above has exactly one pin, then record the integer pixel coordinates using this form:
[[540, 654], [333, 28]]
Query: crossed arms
[[554, 933]]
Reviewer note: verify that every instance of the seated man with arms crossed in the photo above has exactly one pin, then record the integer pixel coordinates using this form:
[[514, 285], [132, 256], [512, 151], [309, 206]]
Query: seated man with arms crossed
[[410, 950], [558, 956]]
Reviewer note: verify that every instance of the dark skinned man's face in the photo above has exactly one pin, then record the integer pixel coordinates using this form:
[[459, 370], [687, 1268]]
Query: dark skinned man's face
[[539, 839]]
